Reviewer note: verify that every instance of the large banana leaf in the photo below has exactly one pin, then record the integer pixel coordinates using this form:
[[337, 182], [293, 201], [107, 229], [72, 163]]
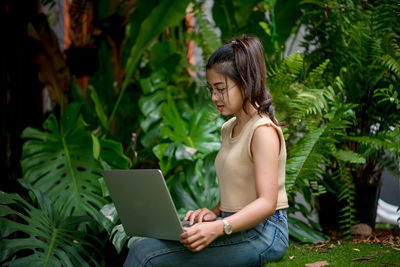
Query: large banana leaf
[[48, 238], [60, 162]]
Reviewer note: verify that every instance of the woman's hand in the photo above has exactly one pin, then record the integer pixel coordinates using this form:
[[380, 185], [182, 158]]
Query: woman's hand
[[198, 236], [200, 215]]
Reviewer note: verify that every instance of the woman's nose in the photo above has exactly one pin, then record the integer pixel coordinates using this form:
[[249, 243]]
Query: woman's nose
[[214, 96]]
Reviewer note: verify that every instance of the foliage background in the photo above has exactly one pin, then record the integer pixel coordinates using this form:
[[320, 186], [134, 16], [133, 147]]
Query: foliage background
[[144, 106]]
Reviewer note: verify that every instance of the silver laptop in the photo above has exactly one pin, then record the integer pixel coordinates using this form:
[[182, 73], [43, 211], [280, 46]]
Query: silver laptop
[[143, 203]]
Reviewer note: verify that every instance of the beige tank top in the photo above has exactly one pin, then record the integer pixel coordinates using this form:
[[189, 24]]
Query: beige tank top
[[235, 169]]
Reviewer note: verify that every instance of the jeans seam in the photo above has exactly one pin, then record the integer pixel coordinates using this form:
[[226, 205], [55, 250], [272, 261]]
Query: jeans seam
[[283, 237], [267, 248], [162, 253]]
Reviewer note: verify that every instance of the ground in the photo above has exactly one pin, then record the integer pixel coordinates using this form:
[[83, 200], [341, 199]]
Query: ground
[[381, 248]]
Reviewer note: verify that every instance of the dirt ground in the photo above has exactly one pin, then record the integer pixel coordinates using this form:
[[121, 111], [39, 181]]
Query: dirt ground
[[384, 237], [389, 237]]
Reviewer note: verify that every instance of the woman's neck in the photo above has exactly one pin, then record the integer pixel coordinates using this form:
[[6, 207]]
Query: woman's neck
[[242, 118]]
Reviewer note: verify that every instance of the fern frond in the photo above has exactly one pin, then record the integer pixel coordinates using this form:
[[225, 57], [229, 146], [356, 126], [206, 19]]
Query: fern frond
[[207, 38], [317, 188], [386, 16], [303, 163], [392, 64], [317, 72], [347, 193], [309, 102], [387, 142], [349, 156], [294, 64]]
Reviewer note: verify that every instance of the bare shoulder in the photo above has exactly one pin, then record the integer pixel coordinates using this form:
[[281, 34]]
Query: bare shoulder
[[266, 132], [265, 136]]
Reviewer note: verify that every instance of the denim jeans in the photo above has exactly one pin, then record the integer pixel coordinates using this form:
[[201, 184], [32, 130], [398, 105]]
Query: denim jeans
[[265, 242]]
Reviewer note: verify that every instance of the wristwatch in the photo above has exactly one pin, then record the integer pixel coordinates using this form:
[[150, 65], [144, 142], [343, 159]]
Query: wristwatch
[[227, 227]]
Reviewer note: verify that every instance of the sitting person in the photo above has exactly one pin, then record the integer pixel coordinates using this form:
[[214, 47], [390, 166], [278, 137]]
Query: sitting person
[[248, 227]]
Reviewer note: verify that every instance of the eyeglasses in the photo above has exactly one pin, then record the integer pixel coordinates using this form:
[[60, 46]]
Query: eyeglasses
[[219, 92]]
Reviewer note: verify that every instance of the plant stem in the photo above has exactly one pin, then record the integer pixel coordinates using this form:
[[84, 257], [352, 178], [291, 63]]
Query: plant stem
[[73, 177], [52, 241]]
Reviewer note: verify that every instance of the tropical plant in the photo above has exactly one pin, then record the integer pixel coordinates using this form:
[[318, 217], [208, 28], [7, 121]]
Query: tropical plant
[[272, 21], [178, 125], [38, 235], [361, 39], [315, 118], [164, 15], [63, 162]]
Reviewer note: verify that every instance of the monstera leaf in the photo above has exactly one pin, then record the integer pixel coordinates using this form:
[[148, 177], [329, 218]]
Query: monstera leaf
[[46, 237], [60, 162]]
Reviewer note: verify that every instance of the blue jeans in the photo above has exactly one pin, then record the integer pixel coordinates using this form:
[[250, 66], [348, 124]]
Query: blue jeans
[[265, 242]]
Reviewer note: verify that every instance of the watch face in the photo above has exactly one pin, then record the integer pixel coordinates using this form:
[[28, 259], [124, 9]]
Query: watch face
[[228, 229]]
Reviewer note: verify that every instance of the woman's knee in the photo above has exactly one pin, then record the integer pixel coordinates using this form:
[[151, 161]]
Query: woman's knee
[[139, 252]]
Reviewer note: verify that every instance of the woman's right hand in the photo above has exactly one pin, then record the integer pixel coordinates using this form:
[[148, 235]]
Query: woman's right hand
[[200, 215]]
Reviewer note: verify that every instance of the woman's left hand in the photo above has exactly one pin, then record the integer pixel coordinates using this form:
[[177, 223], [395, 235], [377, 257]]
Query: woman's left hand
[[198, 236]]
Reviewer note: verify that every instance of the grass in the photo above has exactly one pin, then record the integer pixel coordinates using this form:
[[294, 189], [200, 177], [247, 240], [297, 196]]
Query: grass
[[345, 254], [376, 250]]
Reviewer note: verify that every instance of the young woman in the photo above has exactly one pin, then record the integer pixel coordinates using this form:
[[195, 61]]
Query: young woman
[[248, 227]]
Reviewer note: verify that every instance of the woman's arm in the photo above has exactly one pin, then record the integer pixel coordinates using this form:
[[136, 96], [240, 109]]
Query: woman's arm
[[265, 150]]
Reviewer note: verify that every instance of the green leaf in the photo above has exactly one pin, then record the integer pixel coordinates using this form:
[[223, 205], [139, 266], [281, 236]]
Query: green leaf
[[171, 117], [96, 147], [304, 233], [62, 164], [118, 237], [197, 133], [110, 216], [158, 79], [51, 239], [180, 196], [104, 187], [112, 152], [349, 156], [163, 55], [300, 155], [158, 150], [151, 103], [98, 107], [166, 14], [209, 41]]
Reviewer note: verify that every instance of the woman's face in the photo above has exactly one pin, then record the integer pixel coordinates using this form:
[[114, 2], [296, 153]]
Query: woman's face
[[226, 95]]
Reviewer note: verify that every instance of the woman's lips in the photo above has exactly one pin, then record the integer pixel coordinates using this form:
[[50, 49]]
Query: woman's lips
[[220, 107]]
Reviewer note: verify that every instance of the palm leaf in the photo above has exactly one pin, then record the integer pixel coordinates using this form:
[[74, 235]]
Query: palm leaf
[[50, 239]]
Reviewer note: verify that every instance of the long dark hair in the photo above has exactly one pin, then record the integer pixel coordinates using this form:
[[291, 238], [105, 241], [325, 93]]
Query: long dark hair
[[243, 61]]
